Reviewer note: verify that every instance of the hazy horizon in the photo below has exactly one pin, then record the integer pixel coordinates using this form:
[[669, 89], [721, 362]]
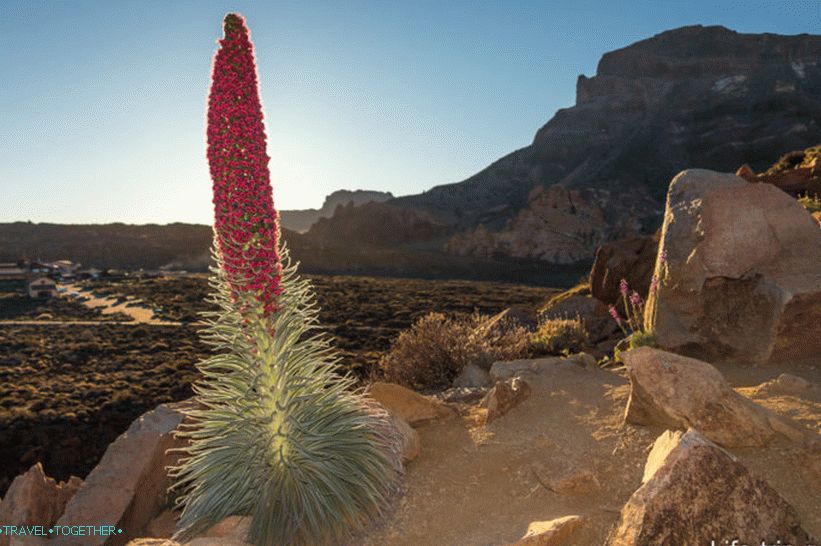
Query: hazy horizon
[[104, 104]]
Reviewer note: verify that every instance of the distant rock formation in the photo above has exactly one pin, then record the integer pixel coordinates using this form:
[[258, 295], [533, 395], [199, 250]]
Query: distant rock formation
[[556, 226], [301, 220], [695, 96]]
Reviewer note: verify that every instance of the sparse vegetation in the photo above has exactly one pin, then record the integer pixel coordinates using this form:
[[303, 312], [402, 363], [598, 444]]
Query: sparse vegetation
[[796, 159], [811, 203], [560, 336], [437, 347]]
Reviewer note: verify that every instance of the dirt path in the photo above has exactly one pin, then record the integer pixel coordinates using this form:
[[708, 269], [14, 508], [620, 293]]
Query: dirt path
[[109, 306], [482, 486]]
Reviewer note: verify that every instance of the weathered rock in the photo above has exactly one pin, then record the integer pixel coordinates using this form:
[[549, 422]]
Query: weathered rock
[[407, 404], [631, 259], [472, 376], [35, 499], [503, 397], [742, 281], [694, 492], [504, 370], [555, 532], [409, 438], [128, 487], [680, 392], [557, 225]]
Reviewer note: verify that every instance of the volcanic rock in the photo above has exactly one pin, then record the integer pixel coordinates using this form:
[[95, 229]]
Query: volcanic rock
[[128, 488], [407, 404], [742, 281], [680, 392], [694, 492], [503, 397], [631, 259], [35, 499]]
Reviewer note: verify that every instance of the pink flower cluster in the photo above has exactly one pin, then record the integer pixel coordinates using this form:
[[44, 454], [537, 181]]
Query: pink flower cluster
[[245, 221]]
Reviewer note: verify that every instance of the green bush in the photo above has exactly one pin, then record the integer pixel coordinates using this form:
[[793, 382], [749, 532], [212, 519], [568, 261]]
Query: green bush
[[437, 347], [560, 335]]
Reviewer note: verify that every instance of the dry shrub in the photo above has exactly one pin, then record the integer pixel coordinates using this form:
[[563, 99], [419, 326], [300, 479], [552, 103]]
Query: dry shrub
[[560, 335], [437, 347]]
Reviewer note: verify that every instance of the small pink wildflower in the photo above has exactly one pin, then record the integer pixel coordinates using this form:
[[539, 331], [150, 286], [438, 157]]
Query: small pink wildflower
[[615, 314], [635, 298], [663, 257], [654, 284], [623, 287]]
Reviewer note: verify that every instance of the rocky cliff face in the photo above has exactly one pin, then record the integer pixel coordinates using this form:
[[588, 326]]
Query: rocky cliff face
[[695, 96], [556, 226], [301, 220]]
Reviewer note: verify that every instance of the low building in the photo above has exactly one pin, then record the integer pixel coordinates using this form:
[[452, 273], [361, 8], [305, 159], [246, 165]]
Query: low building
[[14, 271], [42, 287]]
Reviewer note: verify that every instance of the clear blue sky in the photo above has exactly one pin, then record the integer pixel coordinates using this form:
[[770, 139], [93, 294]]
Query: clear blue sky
[[102, 103]]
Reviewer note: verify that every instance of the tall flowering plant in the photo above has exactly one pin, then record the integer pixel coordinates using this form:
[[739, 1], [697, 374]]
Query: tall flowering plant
[[245, 221], [277, 434]]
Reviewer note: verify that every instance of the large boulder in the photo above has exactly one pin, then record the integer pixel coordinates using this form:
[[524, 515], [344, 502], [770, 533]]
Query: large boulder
[[680, 392], [128, 488], [631, 259], [694, 492], [35, 499], [742, 277]]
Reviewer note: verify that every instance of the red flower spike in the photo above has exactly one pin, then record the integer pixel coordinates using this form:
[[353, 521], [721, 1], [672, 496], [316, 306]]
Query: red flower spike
[[245, 220]]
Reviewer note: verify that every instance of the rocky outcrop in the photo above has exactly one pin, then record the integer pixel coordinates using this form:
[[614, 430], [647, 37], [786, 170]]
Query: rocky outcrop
[[556, 226], [694, 492], [412, 407], [35, 499], [696, 95], [742, 281], [679, 392], [301, 220], [631, 259], [128, 488]]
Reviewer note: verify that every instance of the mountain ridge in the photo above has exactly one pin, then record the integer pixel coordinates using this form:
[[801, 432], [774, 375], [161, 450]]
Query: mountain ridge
[[696, 96]]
